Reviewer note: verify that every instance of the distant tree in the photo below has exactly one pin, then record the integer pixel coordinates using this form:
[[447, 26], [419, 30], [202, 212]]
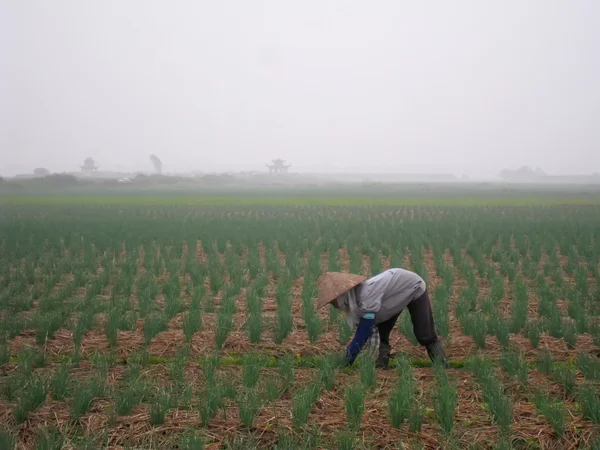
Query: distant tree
[[41, 172], [157, 163], [61, 180], [524, 173]]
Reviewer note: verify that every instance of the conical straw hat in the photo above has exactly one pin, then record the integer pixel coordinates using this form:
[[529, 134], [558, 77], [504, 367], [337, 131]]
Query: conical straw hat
[[332, 284]]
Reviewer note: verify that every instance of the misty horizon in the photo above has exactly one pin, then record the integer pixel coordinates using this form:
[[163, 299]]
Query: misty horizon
[[262, 168], [464, 88]]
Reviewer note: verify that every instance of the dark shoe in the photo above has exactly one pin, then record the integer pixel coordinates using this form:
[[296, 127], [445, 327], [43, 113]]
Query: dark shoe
[[383, 360], [437, 354]]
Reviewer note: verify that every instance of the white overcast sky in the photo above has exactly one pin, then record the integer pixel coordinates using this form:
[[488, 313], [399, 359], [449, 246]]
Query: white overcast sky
[[381, 86]]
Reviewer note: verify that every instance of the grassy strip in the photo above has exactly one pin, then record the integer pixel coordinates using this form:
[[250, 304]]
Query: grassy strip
[[294, 200], [310, 362]]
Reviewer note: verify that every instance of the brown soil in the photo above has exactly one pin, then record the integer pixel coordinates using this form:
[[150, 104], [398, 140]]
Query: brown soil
[[474, 424], [344, 259]]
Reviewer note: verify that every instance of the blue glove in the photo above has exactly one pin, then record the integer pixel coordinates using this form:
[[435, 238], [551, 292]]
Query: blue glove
[[362, 335]]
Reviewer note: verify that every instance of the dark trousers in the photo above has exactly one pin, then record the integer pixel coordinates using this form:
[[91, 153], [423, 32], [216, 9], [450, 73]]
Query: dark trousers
[[422, 320]]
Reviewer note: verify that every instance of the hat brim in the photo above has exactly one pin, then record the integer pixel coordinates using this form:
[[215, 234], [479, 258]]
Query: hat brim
[[334, 284]]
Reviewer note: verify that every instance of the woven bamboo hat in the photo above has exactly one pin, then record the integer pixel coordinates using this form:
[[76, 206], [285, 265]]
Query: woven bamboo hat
[[333, 284]]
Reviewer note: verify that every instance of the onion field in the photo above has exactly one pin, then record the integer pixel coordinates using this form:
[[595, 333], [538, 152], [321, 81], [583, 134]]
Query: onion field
[[190, 327]]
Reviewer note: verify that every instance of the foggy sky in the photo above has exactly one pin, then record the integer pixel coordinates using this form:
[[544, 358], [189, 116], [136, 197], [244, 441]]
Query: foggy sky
[[463, 86]]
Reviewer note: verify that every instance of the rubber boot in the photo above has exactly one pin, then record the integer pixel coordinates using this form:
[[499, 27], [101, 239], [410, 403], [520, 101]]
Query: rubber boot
[[437, 354], [383, 359]]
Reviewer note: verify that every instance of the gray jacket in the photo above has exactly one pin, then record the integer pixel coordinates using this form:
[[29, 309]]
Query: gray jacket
[[384, 295]]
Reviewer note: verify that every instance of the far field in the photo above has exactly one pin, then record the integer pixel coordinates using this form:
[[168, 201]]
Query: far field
[[154, 323]]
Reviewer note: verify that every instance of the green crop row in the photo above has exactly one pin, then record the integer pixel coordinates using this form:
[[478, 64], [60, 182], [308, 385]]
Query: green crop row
[[244, 277]]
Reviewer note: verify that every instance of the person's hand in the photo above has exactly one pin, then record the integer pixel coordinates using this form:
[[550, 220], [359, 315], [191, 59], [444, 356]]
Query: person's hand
[[362, 335], [349, 357], [339, 359]]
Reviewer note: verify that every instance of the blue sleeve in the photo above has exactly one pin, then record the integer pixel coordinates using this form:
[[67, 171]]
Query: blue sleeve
[[362, 335]]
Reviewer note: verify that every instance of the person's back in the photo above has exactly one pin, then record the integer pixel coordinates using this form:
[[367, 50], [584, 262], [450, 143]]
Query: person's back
[[389, 292]]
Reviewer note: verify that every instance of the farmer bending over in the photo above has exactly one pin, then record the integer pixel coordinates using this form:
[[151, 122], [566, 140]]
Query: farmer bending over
[[375, 304]]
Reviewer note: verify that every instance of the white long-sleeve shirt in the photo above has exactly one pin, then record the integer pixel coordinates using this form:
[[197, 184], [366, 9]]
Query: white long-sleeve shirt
[[383, 295]]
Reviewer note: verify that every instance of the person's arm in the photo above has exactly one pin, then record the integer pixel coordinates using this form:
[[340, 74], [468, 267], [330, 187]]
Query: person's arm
[[362, 335]]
